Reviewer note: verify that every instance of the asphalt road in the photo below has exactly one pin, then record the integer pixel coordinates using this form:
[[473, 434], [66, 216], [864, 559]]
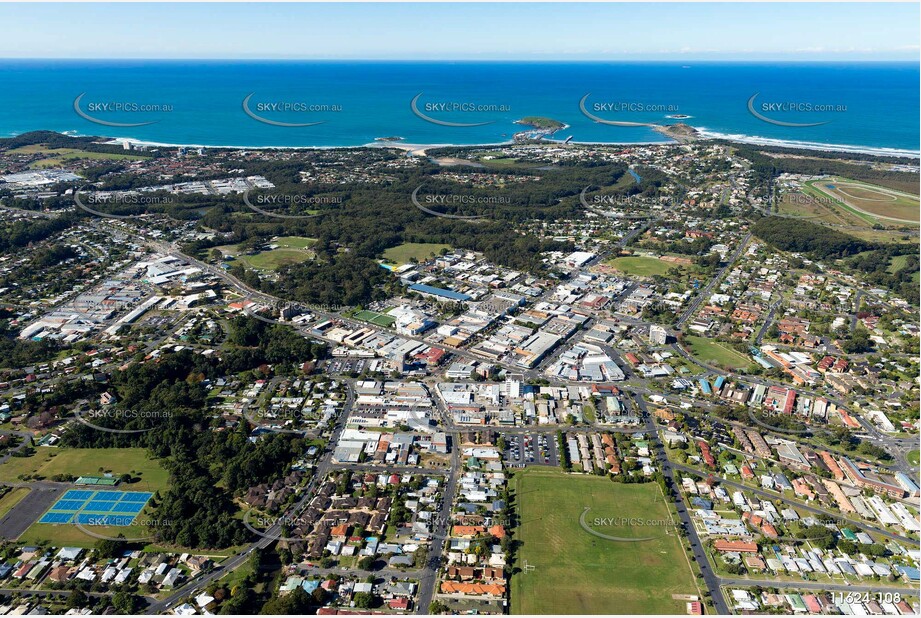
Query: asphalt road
[[429, 576], [705, 293], [768, 320], [710, 579]]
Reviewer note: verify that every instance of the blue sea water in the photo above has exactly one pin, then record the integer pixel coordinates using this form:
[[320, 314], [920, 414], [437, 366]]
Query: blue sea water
[[865, 106]]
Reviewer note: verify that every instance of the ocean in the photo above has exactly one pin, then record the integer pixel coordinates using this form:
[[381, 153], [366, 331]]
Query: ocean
[[867, 107]]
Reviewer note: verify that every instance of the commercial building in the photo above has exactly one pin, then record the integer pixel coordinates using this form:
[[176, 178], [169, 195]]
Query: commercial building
[[863, 480], [439, 293], [658, 335]]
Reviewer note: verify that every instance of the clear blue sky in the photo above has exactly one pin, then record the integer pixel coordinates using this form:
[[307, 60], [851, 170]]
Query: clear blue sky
[[627, 31]]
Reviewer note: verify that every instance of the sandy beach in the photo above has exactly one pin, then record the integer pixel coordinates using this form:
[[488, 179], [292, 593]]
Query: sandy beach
[[421, 149]]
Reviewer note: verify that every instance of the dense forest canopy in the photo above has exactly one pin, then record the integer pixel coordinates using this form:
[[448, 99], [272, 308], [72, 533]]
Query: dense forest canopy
[[806, 237]]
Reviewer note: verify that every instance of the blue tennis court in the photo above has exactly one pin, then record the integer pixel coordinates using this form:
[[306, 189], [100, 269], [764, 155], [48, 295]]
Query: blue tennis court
[[129, 508], [88, 519], [136, 496], [56, 518], [99, 508], [109, 495], [77, 494], [69, 505]]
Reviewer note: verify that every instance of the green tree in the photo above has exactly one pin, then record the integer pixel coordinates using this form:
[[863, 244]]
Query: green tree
[[437, 607], [111, 548], [127, 603]]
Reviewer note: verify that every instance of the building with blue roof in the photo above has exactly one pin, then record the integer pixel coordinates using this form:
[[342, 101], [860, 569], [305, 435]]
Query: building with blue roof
[[907, 484], [310, 585], [428, 290], [911, 573]]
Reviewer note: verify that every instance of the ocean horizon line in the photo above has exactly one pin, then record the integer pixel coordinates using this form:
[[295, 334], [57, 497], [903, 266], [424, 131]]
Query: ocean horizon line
[[733, 61]]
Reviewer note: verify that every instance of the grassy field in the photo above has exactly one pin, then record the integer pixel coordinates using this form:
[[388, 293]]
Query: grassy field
[[500, 161], [897, 263], [914, 457], [910, 184], [274, 259], [576, 572], [624, 181], [69, 535], [55, 157], [291, 250], [496, 160], [294, 242], [642, 266], [870, 202], [12, 498], [716, 353], [48, 462], [378, 319], [403, 254], [806, 206], [882, 236]]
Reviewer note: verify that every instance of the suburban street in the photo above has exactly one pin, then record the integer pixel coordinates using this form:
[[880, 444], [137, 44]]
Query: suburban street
[[705, 293], [710, 579]]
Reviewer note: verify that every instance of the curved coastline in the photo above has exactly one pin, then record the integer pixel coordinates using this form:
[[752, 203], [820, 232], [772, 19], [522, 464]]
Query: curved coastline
[[703, 134], [879, 151]]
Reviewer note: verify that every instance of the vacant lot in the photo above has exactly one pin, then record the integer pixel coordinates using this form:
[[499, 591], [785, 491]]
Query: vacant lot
[[642, 266], [576, 572], [48, 462], [421, 251], [716, 353]]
